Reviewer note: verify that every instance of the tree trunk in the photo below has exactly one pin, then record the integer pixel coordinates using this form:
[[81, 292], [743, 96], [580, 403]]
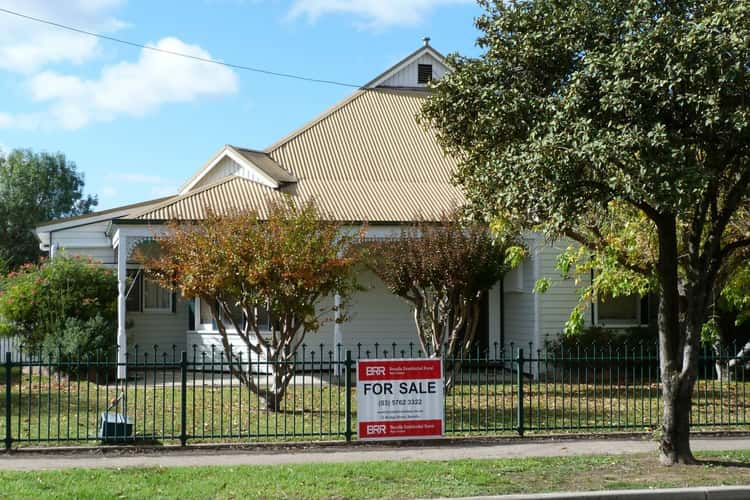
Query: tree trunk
[[674, 447], [273, 400], [460, 349], [273, 395], [674, 352]]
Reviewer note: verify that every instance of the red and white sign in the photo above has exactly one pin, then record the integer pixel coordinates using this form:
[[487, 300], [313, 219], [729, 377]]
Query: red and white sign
[[400, 398]]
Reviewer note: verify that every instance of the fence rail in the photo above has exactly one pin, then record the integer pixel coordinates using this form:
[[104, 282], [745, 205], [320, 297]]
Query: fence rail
[[172, 397]]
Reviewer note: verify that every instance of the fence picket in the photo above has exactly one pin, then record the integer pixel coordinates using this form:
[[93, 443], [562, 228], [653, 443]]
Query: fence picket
[[183, 398], [8, 396]]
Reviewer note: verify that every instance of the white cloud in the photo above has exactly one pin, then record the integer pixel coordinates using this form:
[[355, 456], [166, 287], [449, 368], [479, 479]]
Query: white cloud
[[26, 45], [22, 121], [126, 88], [372, 13]]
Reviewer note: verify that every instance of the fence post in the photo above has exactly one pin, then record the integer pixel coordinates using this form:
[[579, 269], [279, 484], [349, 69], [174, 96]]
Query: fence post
[[8, 380], [348, 398], [183, 398], [519, 380]]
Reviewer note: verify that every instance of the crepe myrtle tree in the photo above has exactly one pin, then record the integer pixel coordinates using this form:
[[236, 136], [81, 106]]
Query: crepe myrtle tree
[[578, 104], [245, 266], [444, 270]]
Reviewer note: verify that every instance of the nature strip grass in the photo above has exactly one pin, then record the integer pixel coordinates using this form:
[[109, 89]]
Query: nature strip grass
[[403, 479]]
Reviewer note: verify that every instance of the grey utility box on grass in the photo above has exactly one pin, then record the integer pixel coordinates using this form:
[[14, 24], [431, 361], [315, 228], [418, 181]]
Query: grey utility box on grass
[[115, 427]]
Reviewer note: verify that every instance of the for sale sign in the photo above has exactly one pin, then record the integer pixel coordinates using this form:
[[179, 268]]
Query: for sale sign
[[399, 398]]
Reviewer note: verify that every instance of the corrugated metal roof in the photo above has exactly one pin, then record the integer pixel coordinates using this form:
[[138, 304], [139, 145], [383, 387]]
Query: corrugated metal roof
[[262, 160], [366, 159], [229, 194], [122, 211]]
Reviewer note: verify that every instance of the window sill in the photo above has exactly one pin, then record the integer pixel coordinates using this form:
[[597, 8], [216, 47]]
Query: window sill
[[151, 311], [615, 326], [217, 332]]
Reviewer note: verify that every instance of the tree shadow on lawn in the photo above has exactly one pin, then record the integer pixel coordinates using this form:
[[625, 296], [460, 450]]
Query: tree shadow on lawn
[[724, 464]]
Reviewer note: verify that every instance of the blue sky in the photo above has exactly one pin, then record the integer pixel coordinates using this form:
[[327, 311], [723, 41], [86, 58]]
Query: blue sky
[[137, 124]]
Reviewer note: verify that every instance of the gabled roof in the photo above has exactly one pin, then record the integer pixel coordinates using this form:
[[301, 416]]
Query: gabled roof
[[256, 163], [365, 159], [421, 51]]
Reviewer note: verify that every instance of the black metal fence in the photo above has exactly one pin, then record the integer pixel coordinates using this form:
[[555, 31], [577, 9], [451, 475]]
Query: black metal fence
[[171, 397]]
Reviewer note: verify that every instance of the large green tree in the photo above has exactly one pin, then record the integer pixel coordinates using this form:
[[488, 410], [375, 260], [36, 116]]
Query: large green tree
[[577, 108], [34, 188]]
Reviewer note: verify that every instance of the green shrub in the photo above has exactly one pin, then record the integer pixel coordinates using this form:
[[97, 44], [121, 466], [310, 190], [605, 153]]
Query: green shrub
[[64, 302], [597, 339], [80, 338]]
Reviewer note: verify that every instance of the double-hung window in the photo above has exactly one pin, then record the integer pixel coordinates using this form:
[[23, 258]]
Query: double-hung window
[[621, 312], [145, 295], [156, 298]]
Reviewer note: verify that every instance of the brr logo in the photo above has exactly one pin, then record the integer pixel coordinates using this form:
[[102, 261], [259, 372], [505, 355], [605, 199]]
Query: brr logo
[[371, 371]]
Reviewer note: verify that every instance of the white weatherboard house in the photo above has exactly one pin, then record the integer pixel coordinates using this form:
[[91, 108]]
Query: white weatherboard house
[[366, 159]]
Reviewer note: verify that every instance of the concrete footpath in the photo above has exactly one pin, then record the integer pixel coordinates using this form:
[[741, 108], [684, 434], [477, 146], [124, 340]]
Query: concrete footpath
[[338, 453]]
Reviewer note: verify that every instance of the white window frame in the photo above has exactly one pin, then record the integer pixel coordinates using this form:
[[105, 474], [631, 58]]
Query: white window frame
[[142, 290], [202, 327], [131, 288], [637, 321], [209, 327]]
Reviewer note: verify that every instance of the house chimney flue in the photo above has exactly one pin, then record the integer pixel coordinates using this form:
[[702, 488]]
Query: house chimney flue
[[426, 41]]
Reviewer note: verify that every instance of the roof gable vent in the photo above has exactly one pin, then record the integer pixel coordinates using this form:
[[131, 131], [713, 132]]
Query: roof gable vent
[[424, 73]]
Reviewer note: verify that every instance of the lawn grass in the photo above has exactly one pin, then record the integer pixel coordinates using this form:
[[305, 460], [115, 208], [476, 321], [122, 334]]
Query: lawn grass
[[51, 409], [405, 479]]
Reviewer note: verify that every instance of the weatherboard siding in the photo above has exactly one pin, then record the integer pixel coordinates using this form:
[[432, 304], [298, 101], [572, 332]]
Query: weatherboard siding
[[375, 317], [88, 240], [562, 296], [378, 317], [162, 329], [519, 306], [407, 76], [226, 168]]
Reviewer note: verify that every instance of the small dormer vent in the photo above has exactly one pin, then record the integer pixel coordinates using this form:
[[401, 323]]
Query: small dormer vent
[[424, 73]]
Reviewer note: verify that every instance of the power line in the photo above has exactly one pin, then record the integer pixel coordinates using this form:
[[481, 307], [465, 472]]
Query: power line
[[178, 54]]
